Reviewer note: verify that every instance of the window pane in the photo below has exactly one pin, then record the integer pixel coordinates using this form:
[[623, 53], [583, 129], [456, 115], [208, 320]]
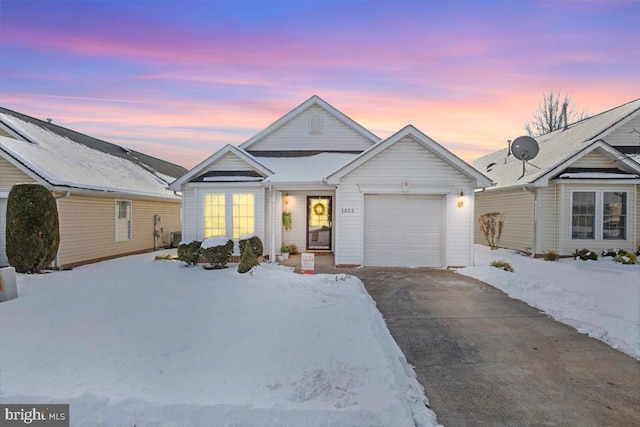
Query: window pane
[[214, 215], [243, 214], [614, 218], [123, 220], [583, 211]]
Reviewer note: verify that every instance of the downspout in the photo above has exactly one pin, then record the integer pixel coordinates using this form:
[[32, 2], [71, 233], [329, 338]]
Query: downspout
[[535, 220], [63, 196]]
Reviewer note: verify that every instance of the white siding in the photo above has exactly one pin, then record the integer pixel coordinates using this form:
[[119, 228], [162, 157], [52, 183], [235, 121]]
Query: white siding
[[425, 173], [547, 229], [517, 206], [229, 162], [296, 135], [594, 159], [567, 245], [3, 228], [625, 135], [298, 207], [189, 212]]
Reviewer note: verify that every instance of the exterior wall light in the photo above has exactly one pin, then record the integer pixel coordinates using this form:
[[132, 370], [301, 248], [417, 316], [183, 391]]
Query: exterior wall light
[[461, 200]]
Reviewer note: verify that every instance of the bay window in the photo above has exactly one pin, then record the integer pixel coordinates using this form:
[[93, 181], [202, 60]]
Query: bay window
[[229, 214]]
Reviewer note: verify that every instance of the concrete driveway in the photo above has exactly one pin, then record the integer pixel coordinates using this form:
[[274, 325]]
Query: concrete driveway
[[487, 360]]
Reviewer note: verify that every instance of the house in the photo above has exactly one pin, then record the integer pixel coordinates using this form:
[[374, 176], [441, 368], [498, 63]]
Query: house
[[402, 201], [111, 200], [580, 191]]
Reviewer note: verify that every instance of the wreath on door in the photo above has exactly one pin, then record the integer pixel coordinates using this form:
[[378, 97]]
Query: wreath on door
[[319, 209]]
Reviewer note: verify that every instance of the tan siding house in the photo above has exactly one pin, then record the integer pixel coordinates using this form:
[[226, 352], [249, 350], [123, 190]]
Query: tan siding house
[[404, 201], [581, 191], [94, 182]]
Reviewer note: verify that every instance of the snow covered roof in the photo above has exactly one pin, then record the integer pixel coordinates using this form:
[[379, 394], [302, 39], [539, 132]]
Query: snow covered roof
[[309, 169], [558, 148], [67, 159]]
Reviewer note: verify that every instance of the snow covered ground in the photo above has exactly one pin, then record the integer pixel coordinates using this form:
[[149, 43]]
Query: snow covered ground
[[134, 341], [600, 298]]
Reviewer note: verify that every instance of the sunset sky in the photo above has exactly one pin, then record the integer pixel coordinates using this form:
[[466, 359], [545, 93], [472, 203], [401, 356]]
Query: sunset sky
[[179, 79]]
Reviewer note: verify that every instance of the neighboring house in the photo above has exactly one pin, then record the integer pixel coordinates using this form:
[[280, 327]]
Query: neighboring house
[[370, 202], [107, 195], [581, 191]]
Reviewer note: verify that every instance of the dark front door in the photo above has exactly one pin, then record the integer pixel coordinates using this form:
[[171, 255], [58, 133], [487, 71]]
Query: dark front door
[[319, 223]]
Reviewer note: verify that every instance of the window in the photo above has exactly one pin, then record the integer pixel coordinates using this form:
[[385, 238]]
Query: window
[[614, 215], [583, 214], [214, 215], [599, 215], [123, 220], [243, 215], [229, 215]]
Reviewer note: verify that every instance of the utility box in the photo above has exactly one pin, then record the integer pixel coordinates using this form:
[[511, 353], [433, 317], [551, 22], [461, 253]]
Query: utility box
[[8, 287]]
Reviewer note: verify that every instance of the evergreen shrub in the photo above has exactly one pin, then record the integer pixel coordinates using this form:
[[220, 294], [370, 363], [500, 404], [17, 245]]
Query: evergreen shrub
[[189, 253], [248, 259], [256, 245], [33, 228], [217, 256]]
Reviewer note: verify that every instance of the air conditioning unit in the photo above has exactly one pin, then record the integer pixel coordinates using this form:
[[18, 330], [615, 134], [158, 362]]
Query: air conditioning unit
[[176, 238]]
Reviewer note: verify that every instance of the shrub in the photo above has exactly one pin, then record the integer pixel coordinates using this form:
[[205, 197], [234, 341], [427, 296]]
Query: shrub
[[638, 251], [626, 258], [256, 245], [33, 229], [217, 252], [504, 265], [189, 253], [551, 256], [613, 252], [248, 259], [585, 254], [491, 225], [285, 249], [163, 257]]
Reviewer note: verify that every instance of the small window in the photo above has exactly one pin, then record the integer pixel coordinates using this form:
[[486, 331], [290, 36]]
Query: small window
[[315, 124], [583, 215], [123, 220], [614, 215]]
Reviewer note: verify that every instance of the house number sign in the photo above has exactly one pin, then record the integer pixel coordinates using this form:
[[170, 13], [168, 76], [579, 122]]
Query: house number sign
[[347, 210]]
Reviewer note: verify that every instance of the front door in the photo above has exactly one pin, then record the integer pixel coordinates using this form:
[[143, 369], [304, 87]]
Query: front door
[[318, 223]]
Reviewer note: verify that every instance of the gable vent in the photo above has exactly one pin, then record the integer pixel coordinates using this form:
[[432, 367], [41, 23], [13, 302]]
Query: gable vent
[[315, 124]]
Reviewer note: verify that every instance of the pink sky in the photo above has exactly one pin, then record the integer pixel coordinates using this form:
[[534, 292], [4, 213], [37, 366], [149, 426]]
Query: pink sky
[[178, 80]]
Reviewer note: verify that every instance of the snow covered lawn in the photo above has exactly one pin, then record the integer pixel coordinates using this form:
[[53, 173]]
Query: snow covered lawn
[[140, 342], [600, 298]]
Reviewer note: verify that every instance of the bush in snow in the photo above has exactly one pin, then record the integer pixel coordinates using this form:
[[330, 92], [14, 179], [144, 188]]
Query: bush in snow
[[189, 253], [626, 258], [248, 259], [613, 252], [504, 265], [33, 230], [217, 250], [551, 256], [491, 227], [254, 241], [585, 254]]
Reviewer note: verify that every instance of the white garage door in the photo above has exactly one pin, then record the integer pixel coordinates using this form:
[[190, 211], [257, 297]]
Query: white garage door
[[403, 230], [3, 228]]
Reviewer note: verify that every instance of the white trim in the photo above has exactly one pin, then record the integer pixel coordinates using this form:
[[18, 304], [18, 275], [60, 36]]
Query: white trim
[[249, 159], [314, 100], [606, 132], [598, 216], [420, 138], [396, 189], [30, 173], [214, 185], [597, 181], [117, 214]]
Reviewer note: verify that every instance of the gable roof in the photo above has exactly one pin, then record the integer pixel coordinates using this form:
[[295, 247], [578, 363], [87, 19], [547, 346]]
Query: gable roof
[[463, 167], [560, 148], [198, 169], [314, 100], [60, 158]]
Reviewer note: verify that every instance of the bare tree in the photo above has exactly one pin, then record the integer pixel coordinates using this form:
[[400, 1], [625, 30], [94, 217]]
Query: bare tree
[[549, 115]]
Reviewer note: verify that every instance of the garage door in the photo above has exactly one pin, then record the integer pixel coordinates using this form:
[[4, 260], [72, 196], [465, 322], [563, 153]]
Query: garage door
[[3, 228], [403, 230]]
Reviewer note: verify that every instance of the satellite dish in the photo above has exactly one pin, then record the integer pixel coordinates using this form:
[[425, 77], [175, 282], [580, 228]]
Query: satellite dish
[[524, 148]]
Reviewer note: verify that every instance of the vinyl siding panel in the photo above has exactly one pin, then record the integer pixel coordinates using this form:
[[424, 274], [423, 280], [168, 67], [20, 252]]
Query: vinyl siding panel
[[425, 173], [87, 227], [517, 206], [189, 223], [296, 135], [298, 207], [594, 159], [11, 175], [229, 162], [625, 135], [547, 229], [567, 245]]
